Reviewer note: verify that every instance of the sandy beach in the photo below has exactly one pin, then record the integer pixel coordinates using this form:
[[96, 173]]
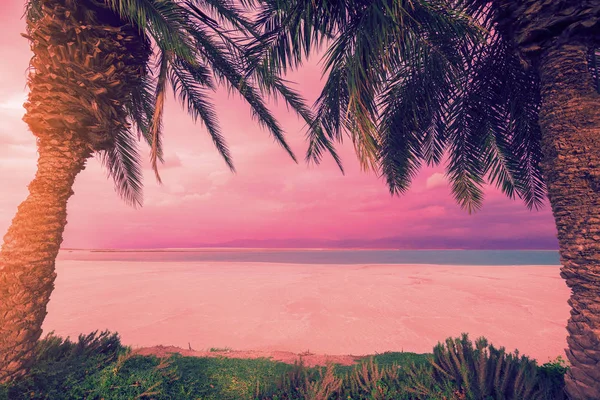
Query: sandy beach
[[322, 309]]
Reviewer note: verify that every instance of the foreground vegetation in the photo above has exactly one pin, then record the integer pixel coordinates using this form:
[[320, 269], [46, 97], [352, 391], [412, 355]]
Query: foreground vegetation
[[97, 366], [504, 92]]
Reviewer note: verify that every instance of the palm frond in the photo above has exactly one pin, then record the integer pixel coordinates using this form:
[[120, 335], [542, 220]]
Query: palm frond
[[156, 122], [467, 134], [499, 104], [197, 44], [413, 118], [229, 73], [141, 108], [411, 82], [224, 12], [122, 163], [331, 111], [186, 85], [278, 87], [525, 149], [289, 31], [166, 21]]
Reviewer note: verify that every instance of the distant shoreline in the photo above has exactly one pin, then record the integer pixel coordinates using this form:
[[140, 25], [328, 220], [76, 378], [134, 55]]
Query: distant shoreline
[[274, 249]]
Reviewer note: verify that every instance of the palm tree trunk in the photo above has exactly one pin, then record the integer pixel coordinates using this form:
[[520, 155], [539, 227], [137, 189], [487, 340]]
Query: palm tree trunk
[[30, 248], [570, 123]]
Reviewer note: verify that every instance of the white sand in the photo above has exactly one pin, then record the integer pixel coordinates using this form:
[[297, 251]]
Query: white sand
[[324, 309]]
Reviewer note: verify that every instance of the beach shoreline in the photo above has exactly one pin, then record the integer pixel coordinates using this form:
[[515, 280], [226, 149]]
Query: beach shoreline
[[318, 309]]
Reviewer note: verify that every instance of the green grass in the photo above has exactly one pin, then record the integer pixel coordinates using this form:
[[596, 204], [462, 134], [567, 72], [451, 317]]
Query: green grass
[[391, 358], [220, 349], [97, 366]]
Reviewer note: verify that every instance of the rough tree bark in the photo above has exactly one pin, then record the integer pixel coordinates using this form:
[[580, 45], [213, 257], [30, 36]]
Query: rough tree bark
[[86, 64], [30, 249], [570, 123]]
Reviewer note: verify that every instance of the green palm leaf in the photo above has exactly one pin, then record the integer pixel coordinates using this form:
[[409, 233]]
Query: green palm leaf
[[198, 45], [122, 163], [165, 21], [227, 72], [412, 83], [184, 79]]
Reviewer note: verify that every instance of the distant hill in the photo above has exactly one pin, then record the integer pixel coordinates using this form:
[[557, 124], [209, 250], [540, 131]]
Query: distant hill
[[397, 243]]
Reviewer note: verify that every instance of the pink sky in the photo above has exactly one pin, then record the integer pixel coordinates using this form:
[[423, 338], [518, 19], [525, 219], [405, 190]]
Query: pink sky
[[270, 200]]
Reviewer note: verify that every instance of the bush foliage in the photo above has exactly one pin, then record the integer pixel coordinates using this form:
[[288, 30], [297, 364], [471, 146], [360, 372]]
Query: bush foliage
[[485, 372], [97, 366]]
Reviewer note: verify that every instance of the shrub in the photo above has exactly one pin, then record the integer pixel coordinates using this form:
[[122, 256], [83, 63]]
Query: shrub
[[60, 364], [552, 375], [484, 372], [291, 385], [97, 366], [365, 381], [371, 380]]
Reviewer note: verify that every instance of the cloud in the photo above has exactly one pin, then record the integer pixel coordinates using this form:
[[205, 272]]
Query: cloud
[[172, 161], [435, 180], [176, 188], [13, 104], [177, 200], [19, 164], [432, 211], [13, 131], [373, 206], [219, 178]]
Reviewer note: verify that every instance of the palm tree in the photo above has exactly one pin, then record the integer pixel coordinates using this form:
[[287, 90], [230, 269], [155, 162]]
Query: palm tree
[[97, 81], [507, 90]]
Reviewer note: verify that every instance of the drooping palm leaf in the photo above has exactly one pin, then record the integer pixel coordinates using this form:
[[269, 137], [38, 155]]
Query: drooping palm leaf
[[184, 79], [231, 75], [414, 82], [159, 106], [194, 41], [122, 163], [500, 103], [165, 21], [277, 87]]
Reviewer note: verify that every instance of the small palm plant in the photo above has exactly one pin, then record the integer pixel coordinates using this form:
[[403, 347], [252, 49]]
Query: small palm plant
[[484, 372], [98, 81]]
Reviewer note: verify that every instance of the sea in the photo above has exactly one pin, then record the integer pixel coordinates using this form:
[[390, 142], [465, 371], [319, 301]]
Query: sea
[[322, 256]]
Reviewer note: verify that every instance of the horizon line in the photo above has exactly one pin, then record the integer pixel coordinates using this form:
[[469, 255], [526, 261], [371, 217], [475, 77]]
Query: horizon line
[[165, 249]]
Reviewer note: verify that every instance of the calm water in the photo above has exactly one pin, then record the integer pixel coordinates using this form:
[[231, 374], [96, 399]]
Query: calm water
[[443, 257]]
